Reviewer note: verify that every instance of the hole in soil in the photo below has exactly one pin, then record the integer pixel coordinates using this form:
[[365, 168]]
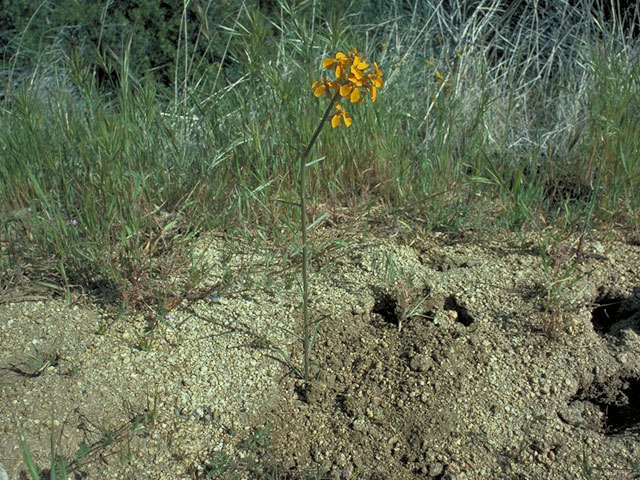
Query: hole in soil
[[613, 313], [627, 416], [387, 307], [567, 188], [451, 303], [606, 313], [621, 408]]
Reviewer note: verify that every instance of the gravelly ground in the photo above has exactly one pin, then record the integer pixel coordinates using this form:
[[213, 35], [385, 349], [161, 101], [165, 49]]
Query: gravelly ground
[[435, 361]]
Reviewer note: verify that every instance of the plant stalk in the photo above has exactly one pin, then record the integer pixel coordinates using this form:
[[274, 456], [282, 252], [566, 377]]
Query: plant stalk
[[305, 246]]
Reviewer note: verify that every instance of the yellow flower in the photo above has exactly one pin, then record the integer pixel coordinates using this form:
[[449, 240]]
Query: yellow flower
[[376, 77], [355, 78], [319, 88], [438, 77], [339, 63], [348, 90], [431, 63], [324, 86], [340, 114], [375, 81], [357, 66]]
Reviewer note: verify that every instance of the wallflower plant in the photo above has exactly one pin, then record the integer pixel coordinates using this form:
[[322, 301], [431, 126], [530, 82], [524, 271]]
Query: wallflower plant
[[355, 78]]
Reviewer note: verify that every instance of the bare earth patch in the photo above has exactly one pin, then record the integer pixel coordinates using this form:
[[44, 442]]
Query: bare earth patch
[[434, 360]]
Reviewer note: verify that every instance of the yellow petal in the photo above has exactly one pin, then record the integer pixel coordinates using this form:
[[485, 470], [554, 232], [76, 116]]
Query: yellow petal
[[335, 120], [361, 64], [340, 55], [346, 89], [320, 90], [352, 78], [377, 82], [328, 62], [355, 95], [347, 119], [339, 71], [374, 93]]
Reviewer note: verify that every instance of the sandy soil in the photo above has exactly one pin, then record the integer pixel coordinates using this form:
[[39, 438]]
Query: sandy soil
[[443, 356]]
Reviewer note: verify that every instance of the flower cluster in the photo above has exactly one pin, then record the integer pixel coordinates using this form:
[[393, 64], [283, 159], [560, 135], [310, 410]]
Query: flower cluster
[[354, 76], [439, 79], [437, 76]]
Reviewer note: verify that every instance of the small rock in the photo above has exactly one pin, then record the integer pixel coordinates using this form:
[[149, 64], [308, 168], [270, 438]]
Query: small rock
[[580, 414], [357, 309], [435, 469], [315, 392], [597, 247], [449, 316], [360, 425], [623, 358], [421, 363]]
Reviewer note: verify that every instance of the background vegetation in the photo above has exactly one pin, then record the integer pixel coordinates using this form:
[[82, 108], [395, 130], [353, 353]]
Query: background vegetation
[[127, 130]]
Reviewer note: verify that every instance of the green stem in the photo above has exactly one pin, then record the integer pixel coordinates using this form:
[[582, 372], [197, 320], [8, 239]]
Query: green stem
[[305, 246]]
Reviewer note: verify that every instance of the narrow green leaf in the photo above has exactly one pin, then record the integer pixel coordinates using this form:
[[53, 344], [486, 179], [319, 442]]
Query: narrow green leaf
[[28, 459], [169, 226], [52, 458], [295, 204], [313, 162], [49, 285], [317, 221], [481, 180]]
